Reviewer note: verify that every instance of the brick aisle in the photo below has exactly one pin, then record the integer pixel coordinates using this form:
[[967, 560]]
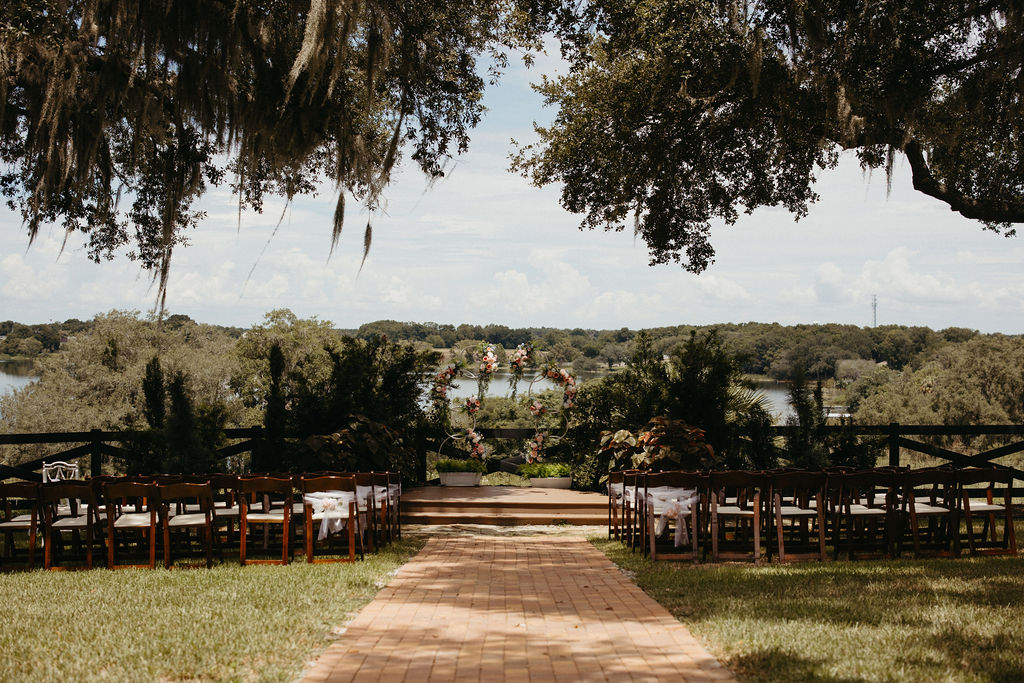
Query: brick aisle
[[540, 608]]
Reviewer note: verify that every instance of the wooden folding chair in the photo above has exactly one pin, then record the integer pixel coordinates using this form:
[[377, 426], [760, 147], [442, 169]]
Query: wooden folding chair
[[736, 515], [80, 514], [183, 507], [132, 511], [383, 502], [265, 502], [798, 508], [632, 481], [615, 493], [331, 506], [865, 519], [367, 506], [19, 505], [673, 504], [226, 509], [996, 505], [395, 501], [930, 511]]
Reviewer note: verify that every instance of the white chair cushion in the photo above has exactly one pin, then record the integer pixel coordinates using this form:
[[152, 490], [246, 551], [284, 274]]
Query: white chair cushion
[[985, 507], [132, 519], [71, 523], [16, 524], [794, 511], [188, 519], [734, 511], [928, 509], [864, 511], [277, 516]]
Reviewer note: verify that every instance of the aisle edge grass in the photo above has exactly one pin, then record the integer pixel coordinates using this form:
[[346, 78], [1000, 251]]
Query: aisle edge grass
[[903, 620], [224, 624]]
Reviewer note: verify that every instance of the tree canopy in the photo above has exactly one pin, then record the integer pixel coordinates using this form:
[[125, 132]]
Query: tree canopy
[[674, 113], [677, 113], [156, 101]]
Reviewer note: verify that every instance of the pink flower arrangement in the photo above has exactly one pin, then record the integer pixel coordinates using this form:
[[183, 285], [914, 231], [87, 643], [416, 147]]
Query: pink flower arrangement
[[475, 440], [520, 357], [568, 382], [536, 444], [537, 408], [472, 405], [442, 381], [489, 363]]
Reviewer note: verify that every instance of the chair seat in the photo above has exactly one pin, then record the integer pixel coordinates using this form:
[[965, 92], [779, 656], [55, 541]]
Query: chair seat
[[929, 509], [226, 511], [732, 510], [864, 511], [17, 524], [132, 519], [796, 511], [187, 519], [272, 516], [987, 507], [80, 522]]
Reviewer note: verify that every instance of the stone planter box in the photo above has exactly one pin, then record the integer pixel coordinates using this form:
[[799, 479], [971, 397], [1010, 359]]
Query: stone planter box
[[551, 482], [459, 478]]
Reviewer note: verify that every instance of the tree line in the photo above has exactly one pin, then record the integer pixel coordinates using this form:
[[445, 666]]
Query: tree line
[[822, 351]]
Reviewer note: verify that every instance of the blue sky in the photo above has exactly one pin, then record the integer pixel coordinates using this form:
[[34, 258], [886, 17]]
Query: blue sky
[[483, 246]]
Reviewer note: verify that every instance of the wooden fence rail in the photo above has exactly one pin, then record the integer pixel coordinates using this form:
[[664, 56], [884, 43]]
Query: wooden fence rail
[[97, 443]]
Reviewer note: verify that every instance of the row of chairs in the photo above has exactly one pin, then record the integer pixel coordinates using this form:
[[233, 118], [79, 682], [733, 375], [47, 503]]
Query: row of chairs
[[127, 518], [796, 514]]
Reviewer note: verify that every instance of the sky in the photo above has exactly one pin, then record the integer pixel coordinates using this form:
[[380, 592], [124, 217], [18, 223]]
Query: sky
[[484, 246]]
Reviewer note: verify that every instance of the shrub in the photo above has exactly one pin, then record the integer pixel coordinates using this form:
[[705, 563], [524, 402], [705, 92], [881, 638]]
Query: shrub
[[544, 469], [461, 465]]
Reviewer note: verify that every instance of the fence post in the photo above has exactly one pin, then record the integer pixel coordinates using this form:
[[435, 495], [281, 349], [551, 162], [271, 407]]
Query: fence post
[[421, 456], [95, 454], [894, 444], [258, 457]]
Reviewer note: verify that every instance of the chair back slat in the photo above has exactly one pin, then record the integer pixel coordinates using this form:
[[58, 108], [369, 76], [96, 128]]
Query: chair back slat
[[677, 479], [328, 483]]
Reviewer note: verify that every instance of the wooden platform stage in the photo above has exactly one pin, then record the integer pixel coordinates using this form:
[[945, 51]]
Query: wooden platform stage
[[502, 505]]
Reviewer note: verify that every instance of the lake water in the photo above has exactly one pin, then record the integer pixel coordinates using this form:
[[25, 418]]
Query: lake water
[[778, 395], [501, 384], [777, 392], [14, 374]]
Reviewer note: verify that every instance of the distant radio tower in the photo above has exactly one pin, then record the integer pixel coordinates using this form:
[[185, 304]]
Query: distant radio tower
[[874, 310]]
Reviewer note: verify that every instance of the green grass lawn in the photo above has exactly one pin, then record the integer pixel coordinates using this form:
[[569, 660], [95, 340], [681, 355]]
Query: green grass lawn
[[924, 620], [229, 623]]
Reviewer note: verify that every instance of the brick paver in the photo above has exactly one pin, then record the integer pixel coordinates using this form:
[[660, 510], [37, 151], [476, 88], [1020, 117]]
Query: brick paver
[[541, 608]]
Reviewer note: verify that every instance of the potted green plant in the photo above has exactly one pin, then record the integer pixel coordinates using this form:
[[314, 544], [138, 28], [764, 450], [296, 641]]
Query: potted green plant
[[460, 472], [549, 475]]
